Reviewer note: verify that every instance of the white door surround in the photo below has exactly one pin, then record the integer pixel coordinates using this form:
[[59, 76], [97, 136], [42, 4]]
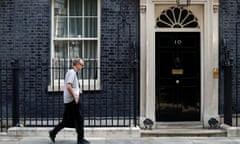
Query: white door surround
[[207, 13]]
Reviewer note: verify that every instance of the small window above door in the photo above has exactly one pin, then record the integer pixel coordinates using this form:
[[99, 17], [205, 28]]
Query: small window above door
[[177, 17]]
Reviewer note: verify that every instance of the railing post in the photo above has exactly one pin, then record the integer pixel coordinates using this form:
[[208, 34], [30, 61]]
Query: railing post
[[135, 82], [228, 95], [15, 84], [227, 66]]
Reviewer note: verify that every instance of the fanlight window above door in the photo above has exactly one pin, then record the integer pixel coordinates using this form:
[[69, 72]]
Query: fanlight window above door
[[177, 17]]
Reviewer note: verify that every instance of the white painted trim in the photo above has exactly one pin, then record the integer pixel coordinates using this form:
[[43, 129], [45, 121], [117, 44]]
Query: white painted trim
[[143, 51], [209, 57], [89, 85], [150, 65], [177, 30]]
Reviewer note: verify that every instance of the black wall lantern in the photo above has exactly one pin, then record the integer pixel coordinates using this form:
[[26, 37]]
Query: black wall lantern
[[183, 2]]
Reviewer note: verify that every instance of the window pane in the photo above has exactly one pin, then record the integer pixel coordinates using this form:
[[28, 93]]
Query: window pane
[[60, 8], [75, 28], [75, 7], [60, 63], [90, 7], [60, 49], [90, 57], [90, 69], [59, 68], [60, 27], [90, 49], [90, 27], [75, 49]]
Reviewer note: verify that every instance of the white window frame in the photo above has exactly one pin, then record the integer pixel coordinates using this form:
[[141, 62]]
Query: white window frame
[[88, 84]]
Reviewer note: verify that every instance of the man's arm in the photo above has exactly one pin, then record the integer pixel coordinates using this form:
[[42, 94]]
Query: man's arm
[[70, 90]]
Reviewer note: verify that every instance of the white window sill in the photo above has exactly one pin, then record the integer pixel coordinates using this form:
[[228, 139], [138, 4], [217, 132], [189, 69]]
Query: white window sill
[[92, 85]]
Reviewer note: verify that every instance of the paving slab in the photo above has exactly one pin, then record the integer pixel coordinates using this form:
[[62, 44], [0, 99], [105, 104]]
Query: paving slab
[[127, 140]]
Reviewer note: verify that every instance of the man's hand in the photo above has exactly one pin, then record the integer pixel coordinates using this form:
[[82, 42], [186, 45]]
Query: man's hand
[[75, 99]]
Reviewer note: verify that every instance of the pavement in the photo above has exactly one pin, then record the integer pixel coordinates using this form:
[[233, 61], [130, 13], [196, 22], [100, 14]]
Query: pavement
[[24, 135], [127, 140]]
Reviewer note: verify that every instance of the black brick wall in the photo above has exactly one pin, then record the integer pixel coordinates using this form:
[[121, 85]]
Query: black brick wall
[[229, 17], [25, 28], [25, 35], [6, 27]]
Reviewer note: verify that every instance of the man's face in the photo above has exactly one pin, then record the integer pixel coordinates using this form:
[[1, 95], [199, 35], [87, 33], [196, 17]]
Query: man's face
[[80, 65]]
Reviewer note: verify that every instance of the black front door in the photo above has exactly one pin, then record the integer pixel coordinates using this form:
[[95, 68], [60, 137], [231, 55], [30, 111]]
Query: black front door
[[177, 76]]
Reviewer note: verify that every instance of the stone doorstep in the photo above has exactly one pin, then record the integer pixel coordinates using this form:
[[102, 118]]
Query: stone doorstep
[[231, 131], [69, 132], [118, 132], [184, 133]]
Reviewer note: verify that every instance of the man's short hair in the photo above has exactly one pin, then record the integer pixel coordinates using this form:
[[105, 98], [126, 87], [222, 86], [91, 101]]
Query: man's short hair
[[76, 61]]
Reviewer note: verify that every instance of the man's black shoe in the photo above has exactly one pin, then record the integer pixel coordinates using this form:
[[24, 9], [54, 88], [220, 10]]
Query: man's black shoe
[[83, 141], [52, 136]]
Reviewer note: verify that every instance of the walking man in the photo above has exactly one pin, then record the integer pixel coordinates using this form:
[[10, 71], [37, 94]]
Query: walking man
[[73, 116]]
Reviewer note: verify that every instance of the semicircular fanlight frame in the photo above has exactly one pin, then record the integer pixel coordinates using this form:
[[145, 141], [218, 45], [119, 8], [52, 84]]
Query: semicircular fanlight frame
[[177, 17]]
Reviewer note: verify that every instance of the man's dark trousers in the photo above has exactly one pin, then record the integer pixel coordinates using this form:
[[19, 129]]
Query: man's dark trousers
[[72, 118]]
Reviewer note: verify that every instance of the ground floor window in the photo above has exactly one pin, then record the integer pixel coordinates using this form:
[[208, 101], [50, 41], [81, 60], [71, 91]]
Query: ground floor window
[[75, 33]]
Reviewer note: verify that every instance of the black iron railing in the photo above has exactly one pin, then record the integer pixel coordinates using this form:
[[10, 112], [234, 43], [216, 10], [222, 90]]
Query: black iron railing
[[31, 94], [231, 81], [236, 98]]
